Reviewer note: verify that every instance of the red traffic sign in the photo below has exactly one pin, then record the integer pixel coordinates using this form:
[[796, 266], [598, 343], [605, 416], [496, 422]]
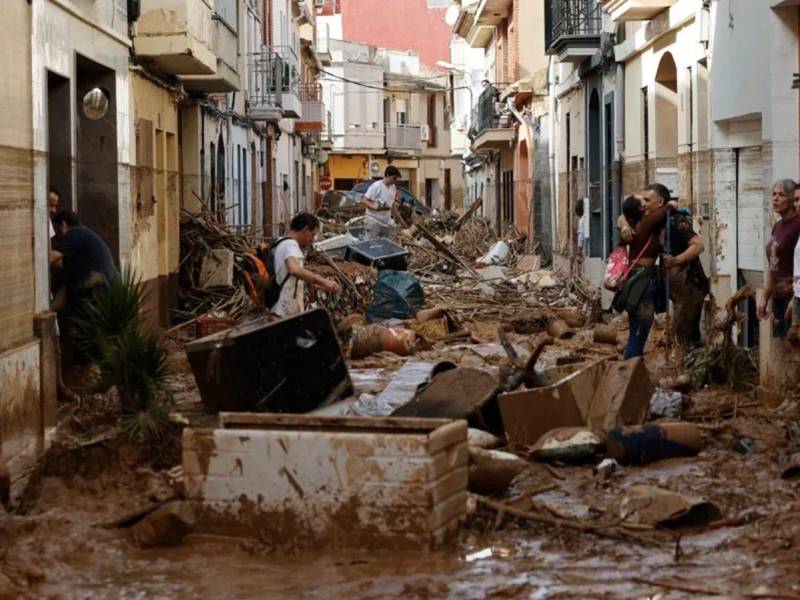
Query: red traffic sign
[[325, 183]]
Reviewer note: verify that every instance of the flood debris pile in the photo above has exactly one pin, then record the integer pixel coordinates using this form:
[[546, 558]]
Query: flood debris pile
[[220, 267], [212, 280], [455, 394]]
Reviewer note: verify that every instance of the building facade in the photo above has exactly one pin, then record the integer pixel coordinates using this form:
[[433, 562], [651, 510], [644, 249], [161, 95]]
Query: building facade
[[676, 91], [387, 108], [203, 109], [508, 160]]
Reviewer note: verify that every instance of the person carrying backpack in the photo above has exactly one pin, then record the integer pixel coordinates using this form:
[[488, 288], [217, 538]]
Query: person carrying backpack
[[285, 266]]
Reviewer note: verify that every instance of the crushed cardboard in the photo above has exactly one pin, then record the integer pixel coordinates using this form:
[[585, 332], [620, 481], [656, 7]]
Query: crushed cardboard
[[656, 507], [601, 395]]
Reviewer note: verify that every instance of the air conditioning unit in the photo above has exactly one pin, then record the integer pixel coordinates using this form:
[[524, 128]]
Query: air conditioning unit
[[425, 133], [319, 2]]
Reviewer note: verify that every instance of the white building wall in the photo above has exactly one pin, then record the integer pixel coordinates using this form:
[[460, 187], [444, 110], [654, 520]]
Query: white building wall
[[59, 32]]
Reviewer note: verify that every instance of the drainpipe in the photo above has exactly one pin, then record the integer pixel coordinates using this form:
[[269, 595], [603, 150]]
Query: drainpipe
[[552, 158], [619, 124], [203, 155]]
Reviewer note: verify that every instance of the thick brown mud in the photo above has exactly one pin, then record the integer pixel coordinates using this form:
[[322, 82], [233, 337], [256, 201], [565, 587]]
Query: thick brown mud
[[60, 548]]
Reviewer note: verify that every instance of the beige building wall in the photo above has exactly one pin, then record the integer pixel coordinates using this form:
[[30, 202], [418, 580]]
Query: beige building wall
[[155, 193], [21, 418], [530, 31]]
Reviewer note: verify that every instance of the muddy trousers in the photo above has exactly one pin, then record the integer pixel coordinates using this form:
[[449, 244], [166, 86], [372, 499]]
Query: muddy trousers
[[641, 321], [687, 313]]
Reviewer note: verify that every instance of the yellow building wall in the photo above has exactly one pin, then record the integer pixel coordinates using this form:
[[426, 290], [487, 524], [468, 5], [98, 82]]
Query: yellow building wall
[[155, 191]]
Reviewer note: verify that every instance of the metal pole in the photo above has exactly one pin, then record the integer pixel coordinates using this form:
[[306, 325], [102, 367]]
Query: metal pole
[[668, 251]]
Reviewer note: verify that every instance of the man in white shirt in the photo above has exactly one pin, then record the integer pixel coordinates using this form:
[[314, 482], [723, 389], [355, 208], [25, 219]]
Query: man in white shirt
[[290, 273], [583, 228], [381, 205], [53, 200]]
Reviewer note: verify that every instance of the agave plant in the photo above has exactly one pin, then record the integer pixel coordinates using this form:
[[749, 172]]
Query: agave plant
[[137, 365], [114, 309], [109, 328]]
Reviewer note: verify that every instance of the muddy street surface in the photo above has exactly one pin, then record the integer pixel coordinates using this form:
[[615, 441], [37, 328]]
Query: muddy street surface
[[64, 541]]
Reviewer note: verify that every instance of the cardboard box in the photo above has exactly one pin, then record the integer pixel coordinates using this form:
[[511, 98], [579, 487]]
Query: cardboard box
[[601, 395]]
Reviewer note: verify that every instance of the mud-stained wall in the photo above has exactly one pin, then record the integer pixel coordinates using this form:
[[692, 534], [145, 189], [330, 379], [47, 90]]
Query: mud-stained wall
[[570, 166], [16, 183], [155, 194], [21, 434]]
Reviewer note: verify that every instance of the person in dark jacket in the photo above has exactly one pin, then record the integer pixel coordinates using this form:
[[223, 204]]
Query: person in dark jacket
[[87, 260], [688, 284]]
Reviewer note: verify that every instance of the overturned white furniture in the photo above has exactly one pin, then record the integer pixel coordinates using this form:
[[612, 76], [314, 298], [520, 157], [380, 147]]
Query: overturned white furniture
[[333, 481]]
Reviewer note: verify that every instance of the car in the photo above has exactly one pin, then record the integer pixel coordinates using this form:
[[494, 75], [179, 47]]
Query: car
[[354, 196]]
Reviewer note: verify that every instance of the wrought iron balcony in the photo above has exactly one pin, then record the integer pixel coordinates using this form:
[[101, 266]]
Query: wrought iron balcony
[[273, 84], [572, 28], [403, 137], [313, 111], [490, 127], [484, 115]]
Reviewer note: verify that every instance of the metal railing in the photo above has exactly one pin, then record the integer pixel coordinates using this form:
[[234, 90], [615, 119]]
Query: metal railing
[[405, 137], [484, 115], [310, 92], [571, 18], [313, 108], [272, 72]]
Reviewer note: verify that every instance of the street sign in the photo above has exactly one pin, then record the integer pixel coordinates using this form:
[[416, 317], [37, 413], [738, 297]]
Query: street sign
[[325, 183]]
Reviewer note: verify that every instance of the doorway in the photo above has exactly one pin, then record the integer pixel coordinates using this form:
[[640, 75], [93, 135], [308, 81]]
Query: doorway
[[749, 233], [97, 156], [448, 191], [595, 177], [59, 139], [431, 192]]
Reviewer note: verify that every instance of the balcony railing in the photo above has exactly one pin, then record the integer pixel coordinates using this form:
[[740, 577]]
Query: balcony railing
[[484, 115], [571, 21], [313, 110], [403, 137], [272, 73]]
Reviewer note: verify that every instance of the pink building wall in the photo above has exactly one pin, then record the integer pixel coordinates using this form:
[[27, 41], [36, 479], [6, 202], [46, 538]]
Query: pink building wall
[[398, 25]]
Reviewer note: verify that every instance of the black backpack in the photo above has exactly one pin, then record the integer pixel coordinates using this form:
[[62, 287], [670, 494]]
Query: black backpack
[[272, 289]]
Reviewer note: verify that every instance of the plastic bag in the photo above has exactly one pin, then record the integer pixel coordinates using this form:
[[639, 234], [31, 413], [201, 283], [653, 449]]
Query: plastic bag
[[397, 295]]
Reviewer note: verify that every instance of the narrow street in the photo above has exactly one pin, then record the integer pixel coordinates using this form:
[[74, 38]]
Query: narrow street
[[360, 299]]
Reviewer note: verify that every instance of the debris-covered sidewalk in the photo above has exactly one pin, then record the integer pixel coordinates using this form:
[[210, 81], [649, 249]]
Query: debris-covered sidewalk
[[460, 425]]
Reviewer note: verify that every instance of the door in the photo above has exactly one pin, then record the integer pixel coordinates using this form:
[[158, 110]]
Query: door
[[448, 191], [750, 244]]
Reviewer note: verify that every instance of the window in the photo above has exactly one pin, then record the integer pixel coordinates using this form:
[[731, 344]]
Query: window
[[507, 192], [213, 194], [401, 111], [245, 190], [239, 189]]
